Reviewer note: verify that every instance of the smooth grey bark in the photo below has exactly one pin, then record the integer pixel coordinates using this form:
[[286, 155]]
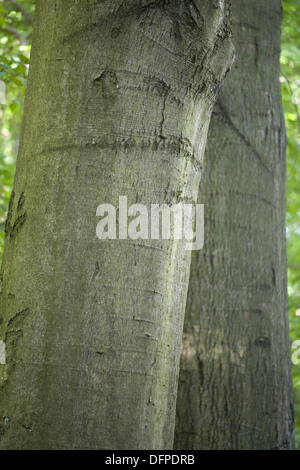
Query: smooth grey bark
[[235, 388], [119, 100]]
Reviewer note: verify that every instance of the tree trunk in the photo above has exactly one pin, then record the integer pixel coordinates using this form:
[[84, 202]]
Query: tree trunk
[[118, 104], [235, 389]]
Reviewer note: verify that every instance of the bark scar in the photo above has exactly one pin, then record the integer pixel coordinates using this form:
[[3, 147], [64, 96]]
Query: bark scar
[[108, 83], [12, 228]]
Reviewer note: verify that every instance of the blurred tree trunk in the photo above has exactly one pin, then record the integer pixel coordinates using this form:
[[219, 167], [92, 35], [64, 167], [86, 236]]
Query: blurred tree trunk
[[235, 389], [119, 100]]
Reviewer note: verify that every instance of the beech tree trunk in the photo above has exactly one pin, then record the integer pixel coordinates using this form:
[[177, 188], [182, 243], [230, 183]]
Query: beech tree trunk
[[118, 103], [235, 388]]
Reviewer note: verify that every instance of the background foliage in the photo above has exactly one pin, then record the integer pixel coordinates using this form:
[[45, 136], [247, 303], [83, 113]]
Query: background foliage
[[15, 40]]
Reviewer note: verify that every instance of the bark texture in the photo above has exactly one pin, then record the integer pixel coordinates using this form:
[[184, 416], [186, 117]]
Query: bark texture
[[118, 103], [235, 388]]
